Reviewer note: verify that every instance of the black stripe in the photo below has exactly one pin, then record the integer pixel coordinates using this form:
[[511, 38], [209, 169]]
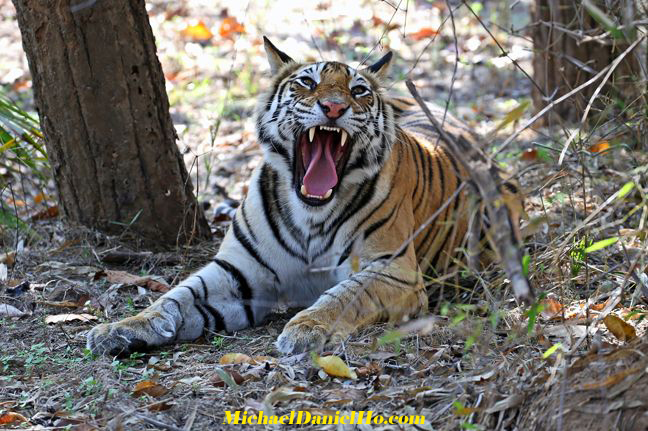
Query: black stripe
[[393, 278], [364, 194], [219, 321], [380, 223], [247, 244], [247, 222], [424, 169], [265, 177], [243, 287], [182, 320]]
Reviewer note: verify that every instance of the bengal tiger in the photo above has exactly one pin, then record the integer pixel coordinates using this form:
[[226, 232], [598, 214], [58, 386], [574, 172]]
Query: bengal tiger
[[348, 174]]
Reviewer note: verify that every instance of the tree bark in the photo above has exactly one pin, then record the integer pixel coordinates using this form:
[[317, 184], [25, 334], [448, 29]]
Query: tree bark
[[569, 50], [101, 99]]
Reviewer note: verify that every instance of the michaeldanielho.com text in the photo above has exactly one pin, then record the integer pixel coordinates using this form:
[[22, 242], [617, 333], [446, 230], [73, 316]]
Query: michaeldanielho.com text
[[304, 417]]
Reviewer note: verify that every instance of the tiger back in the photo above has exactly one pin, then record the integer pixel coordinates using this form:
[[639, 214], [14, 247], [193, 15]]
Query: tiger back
[[348, 177]]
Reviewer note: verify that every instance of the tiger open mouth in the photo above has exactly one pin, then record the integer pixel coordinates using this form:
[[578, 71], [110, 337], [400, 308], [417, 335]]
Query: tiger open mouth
[[321, 155]]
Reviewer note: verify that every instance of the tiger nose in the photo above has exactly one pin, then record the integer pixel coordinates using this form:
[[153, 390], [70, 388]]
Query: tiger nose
[[333, 110]]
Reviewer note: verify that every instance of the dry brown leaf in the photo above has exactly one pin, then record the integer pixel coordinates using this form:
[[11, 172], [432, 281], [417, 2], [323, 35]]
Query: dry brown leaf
[[149, 387], [12, 418], [219, 382], [613, 379], [619, 328], [529, 155], [160, 407], [197, 32], [46, 214], [599, 147], [424, 33], [334, 366], [236, 358], [551, 308], [69, 317], [283, 394], [8, 258], [230, 26], [371, 369], [123, 277]]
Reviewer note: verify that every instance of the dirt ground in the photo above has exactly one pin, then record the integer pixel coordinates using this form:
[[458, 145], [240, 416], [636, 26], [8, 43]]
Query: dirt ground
[[476, 362]]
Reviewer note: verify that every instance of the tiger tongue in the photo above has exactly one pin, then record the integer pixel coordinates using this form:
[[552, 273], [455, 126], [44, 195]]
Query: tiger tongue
[[320, 173]]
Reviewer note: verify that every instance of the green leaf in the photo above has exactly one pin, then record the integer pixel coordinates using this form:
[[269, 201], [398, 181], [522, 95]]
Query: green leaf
[[513, 115], [603, 19], [598, 245], [526, 261], [551, 350], [226, 378], [627, 188]]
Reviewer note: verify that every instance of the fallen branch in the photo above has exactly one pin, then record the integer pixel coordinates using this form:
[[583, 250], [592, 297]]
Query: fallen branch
[[485, 177]]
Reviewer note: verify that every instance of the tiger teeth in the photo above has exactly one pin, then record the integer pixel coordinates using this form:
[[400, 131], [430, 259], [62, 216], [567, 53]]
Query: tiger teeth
[[343, 138], [311, 134], [305, 193], [332, 129]]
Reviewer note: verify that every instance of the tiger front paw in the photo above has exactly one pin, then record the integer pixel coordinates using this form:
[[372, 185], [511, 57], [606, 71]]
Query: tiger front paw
[[302, 336], [306, 332], [129, 335]]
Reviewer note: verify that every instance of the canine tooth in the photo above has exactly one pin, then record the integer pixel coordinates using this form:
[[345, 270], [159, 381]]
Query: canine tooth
[[303, 190], [343, 138], [328, 194], [311, 134]]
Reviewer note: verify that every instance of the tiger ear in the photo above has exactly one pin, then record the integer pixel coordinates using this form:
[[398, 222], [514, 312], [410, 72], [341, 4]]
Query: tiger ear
[[276, 58], [381, 67]]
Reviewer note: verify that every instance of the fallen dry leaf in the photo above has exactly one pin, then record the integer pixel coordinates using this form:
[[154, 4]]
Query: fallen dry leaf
[[46, 214], [599, 147], [529, 155], [7, 310], [68, 317], [613, 379], [160, 407], [423, 33], [123, 277], [619, 328], [197, 32], [149, 387], [371, 369], [12, 418], [551, 308], [8, 258], [219, 382], [236, 358], [334, 366], [283, 394], [230, 26]]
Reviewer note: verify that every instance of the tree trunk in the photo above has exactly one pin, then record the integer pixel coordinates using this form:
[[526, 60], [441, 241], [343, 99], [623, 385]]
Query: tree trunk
[[100, 96], [569, 49]]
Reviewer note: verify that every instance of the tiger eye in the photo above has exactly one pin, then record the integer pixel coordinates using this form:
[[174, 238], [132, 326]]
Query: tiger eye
[[359, 90]]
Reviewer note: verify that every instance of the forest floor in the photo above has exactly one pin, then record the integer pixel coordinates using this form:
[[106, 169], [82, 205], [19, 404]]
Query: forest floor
[[580, 363]]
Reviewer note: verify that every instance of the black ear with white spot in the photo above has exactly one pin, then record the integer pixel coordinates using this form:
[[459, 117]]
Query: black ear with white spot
[[381, 67], [276, 58]]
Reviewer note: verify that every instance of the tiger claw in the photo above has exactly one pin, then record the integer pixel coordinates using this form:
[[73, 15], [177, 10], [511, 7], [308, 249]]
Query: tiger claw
[[109, 339], [302, 337]]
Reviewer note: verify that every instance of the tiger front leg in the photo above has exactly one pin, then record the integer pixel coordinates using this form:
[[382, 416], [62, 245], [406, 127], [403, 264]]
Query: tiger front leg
[[376, 294], [216, 298]]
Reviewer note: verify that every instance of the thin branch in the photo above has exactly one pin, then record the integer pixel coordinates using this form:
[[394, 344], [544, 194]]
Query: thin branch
[[610, 70]]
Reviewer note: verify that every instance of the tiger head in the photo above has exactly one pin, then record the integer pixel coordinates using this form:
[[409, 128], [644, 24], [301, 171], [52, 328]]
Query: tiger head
[[325, 126]]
